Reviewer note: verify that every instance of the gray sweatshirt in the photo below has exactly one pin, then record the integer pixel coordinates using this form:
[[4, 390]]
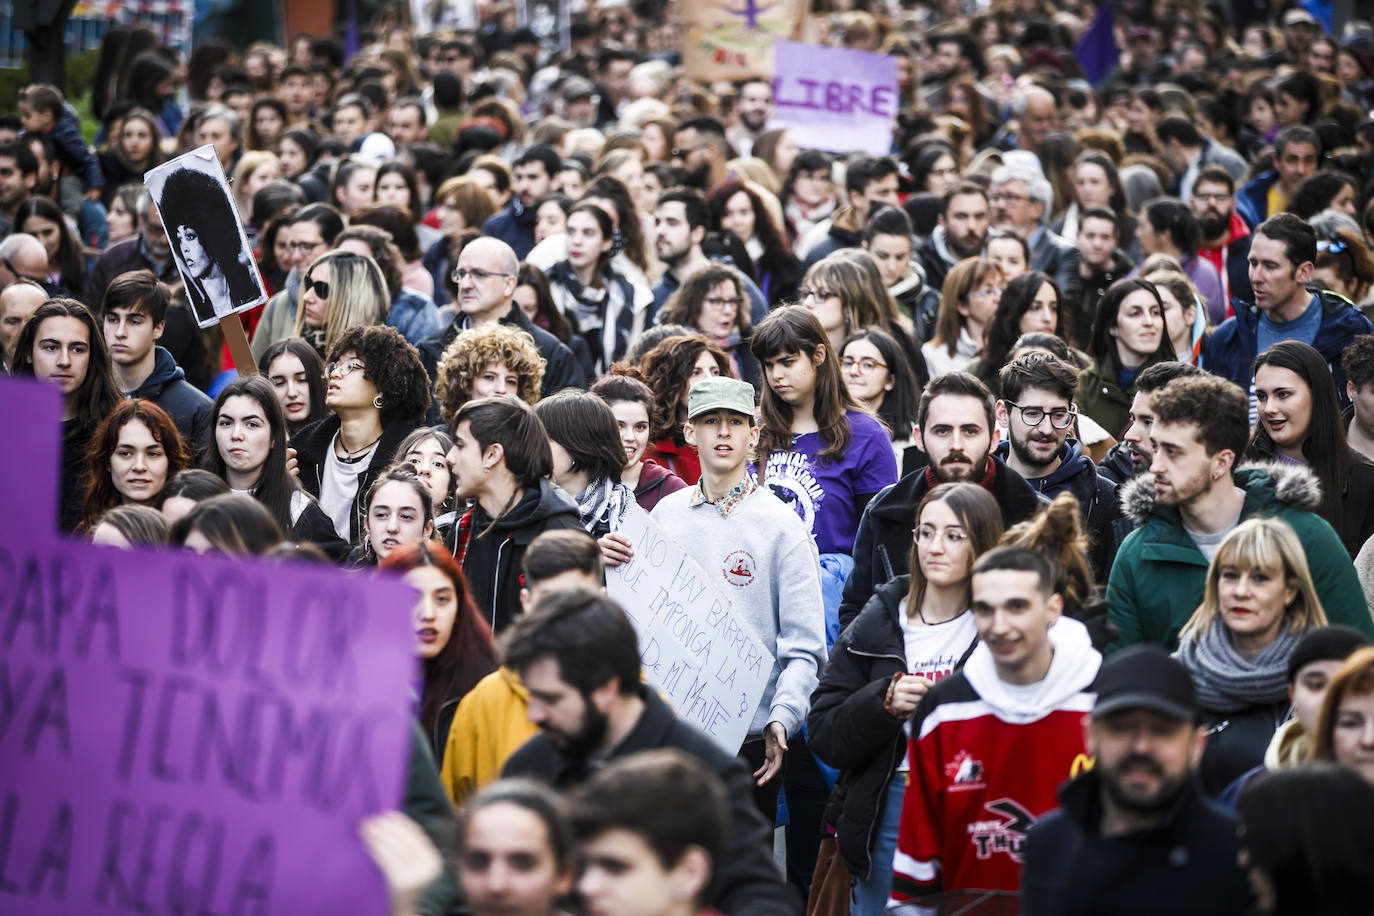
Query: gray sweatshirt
[[770, 569]]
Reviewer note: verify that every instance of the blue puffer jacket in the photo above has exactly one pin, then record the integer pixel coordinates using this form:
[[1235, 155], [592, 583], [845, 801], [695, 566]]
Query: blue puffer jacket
[[414, 315], [1234, 345], [1252, 200]]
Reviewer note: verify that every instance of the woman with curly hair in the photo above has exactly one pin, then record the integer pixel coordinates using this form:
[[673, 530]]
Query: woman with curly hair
[[670, 370], [203, 230], [249, 453], [488, 360], [738, 207], [714, 302], [132, 455], [454, 643], [378, 392], [340, 290]]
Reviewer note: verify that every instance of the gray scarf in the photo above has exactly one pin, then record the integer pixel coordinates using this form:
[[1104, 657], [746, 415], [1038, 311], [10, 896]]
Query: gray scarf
[[1228, 683], [602, 506]]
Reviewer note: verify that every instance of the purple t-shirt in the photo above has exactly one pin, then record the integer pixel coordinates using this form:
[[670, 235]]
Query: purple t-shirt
[[825, 494]]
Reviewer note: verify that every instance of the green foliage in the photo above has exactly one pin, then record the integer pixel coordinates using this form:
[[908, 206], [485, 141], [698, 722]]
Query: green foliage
[[80, 75]]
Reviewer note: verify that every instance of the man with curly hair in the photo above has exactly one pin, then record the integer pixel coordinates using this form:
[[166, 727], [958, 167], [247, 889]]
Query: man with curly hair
[[488, 360], [486, 277]]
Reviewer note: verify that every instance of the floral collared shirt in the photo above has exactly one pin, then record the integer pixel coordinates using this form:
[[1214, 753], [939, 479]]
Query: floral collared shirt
[[727, 503]]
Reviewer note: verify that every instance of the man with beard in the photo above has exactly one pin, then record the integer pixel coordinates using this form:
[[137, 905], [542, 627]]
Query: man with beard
[[755, 110], [962, 230], [954, 427], [1037, 412], [578, 656], [533, 173], [1193, 497], [1135, 830], [1225, 236], [1297, 151], [680, 228], [1134, 454], [700, 150]]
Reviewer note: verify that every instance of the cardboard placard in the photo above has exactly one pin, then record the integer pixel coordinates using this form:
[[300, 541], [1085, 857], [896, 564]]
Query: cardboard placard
[[710, 665]]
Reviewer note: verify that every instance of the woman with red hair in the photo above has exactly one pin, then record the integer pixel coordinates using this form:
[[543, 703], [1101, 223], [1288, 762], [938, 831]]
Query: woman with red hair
[[451, 638]]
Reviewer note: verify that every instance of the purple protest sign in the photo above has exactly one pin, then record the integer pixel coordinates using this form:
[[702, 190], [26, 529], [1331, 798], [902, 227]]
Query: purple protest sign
[[834, 99], [187, 734]]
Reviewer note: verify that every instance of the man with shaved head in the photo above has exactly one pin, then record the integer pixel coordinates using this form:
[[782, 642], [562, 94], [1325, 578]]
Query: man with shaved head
[[18, 300], [486, 277]]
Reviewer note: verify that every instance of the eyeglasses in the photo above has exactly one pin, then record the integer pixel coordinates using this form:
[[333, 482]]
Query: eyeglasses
[[926, 534], [1211, 198], [988, 291], [680, 153], [820, 295], [1032, 416], [866, 365], [1008, 196], [723, 304], [320, 287], [343, 370], [478, 275]]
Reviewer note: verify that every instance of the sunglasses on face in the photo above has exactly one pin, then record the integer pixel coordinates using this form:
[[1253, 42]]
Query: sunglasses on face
[[321, 287]]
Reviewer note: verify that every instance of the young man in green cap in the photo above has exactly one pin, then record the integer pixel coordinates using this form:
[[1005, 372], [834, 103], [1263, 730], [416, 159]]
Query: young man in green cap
[[764, 554]]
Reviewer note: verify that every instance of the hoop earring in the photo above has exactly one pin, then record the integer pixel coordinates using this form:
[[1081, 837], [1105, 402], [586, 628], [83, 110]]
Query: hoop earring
[[377, 402]]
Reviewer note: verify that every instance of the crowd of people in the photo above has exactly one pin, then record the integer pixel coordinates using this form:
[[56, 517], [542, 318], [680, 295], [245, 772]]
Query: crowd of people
[[1039, 453]]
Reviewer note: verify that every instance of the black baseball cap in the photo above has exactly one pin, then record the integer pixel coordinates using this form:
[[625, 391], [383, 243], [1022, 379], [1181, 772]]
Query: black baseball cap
[[1145, 677]]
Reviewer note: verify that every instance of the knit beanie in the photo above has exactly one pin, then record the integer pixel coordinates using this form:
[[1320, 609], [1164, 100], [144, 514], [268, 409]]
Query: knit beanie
[[1322, 644]]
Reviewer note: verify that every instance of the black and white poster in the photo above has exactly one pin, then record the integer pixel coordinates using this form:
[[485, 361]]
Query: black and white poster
[[209, 246]]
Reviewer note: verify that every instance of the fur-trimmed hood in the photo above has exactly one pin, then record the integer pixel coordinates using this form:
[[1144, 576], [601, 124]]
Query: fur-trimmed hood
[[1293, 486]]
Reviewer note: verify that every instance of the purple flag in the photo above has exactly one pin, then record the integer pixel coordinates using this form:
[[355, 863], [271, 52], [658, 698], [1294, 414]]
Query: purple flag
[[188, 734], [834, 99], [1096, 48]]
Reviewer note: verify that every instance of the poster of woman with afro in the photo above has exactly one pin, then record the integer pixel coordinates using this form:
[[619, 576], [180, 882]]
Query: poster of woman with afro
[[208, 243]]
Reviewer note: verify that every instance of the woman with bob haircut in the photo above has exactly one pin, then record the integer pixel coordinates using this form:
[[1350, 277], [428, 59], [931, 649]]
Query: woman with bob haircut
[[296, 374], [61, 345], [847, 293], [232, 525], [632, 403], [713, 301], [1300, 423], [454, 643], [490, 359], [501, 462], [588, 457], [878, 376], [538, 817], [378, 392], [130, 526], [737, 207], [249, 454], [1345, 726], [203, 230], [670, 370], [340, 290], [968, 300], [1032, 303], [1258, 601], [1128, 334], [903, 641], [132, 455]]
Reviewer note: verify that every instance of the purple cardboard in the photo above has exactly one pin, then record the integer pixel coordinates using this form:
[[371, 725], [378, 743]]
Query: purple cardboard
[[835, 99], [190, 734]]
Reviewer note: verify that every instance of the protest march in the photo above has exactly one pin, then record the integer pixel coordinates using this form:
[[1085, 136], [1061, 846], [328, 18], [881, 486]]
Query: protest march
[[687, 457]]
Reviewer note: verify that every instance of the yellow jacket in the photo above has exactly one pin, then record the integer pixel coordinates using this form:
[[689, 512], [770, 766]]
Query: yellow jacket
[[488, 726]]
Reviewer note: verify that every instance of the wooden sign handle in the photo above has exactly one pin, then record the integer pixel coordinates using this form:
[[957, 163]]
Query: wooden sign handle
[[237, 340]]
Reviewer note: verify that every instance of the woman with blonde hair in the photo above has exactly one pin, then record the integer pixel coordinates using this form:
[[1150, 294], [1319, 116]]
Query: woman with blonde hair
[[254, 170], [485, 361], [846, 292], [1258, 602], [972, 291], [340, 290]]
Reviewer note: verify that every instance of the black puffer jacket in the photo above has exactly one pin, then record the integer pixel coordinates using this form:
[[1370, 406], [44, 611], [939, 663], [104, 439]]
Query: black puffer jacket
[[847, 727]]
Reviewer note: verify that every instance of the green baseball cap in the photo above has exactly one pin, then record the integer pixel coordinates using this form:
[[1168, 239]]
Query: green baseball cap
[[720, 393]]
